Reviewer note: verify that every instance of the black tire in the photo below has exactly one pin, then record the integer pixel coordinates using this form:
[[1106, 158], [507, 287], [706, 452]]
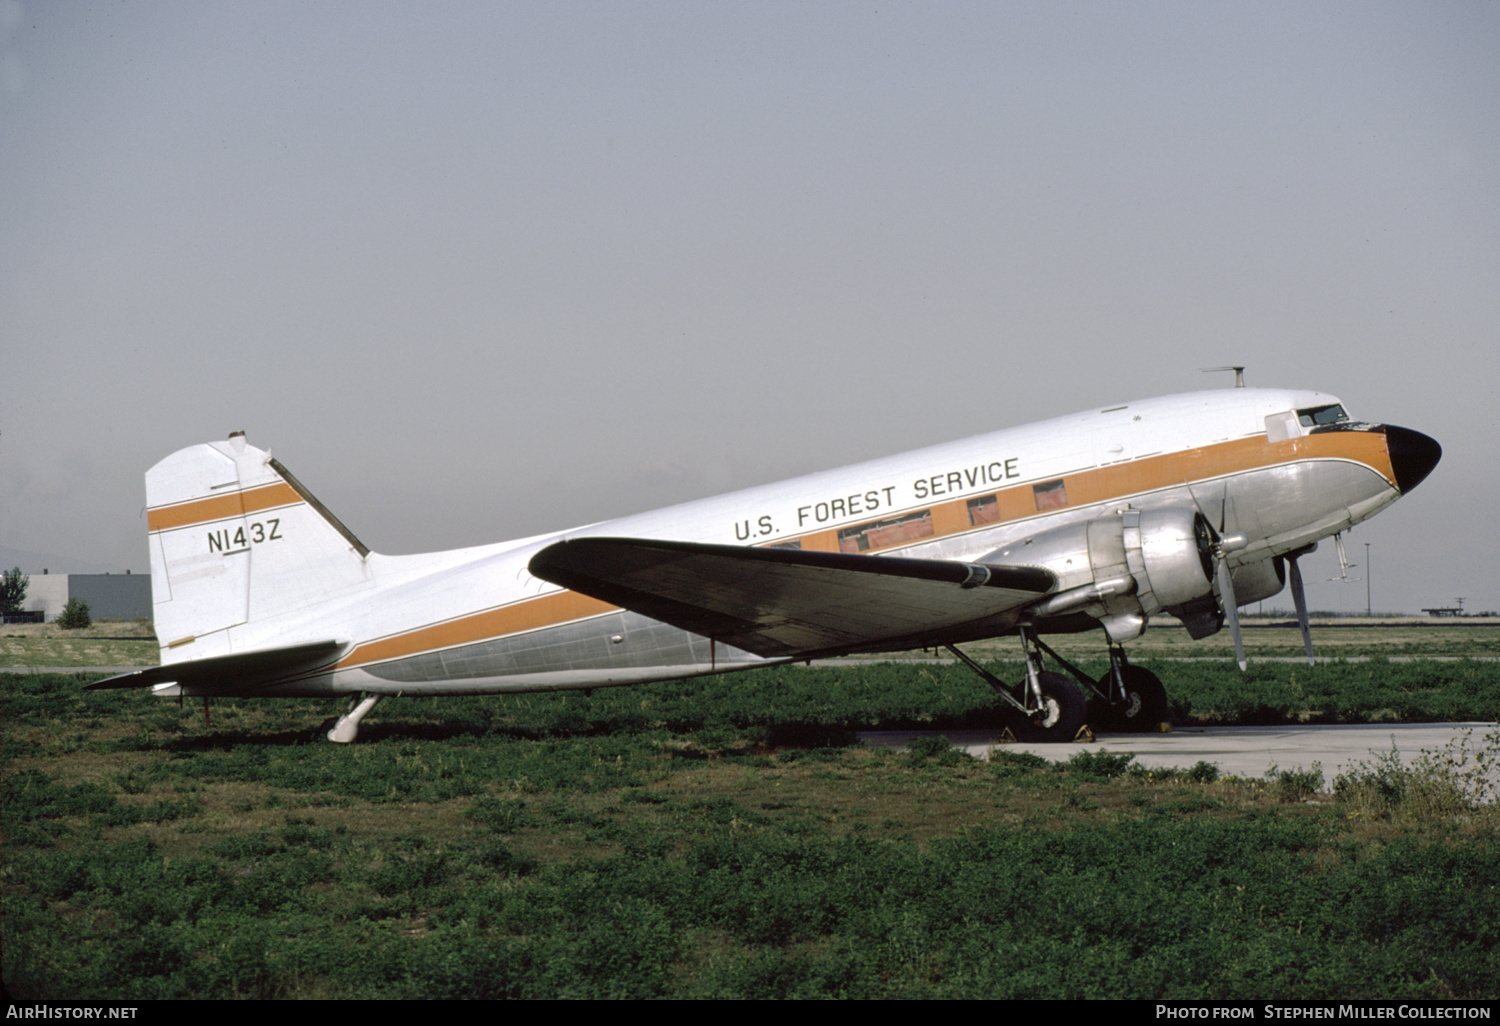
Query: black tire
[[1062, 713], [1100, 714], [1145, 706]]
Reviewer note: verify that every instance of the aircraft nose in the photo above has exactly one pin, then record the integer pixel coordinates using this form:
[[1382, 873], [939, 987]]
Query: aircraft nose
[[1413, 455]]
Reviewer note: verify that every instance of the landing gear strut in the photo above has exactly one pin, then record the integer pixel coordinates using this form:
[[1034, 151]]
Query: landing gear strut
[[1051, 708]]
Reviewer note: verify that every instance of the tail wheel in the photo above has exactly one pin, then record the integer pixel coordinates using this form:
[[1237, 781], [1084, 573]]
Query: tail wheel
[[1061, 715], [1145, 705]]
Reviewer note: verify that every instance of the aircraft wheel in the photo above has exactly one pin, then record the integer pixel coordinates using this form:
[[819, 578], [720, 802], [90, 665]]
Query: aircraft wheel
[[1145, 702], [1061, 715], [1100, 714]]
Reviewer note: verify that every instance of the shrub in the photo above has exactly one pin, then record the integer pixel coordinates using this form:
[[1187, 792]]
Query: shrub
[[1457, 779], [1203, 772], [1462, 769], [1295, 785], [1006, 765], [940, 750], [75, 615], [1100, 765]]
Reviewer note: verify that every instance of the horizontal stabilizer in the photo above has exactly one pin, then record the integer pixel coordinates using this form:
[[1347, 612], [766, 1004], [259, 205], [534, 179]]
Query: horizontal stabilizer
[[787, 602], [238, 673]]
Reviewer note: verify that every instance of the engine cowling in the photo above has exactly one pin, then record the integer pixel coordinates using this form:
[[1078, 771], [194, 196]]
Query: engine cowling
[[1252, 583], [1121, 568], [1255, 582]]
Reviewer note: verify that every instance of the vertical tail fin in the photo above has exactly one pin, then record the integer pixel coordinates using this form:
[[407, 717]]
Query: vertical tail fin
[[237, 541]]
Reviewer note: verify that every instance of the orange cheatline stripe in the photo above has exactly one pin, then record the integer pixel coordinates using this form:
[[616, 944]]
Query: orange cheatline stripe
[[1153, 473], [1084, 488], [221, 507], [545, 611]]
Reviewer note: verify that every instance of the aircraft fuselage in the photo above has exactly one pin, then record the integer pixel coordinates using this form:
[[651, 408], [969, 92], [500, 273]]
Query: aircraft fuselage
[[1254, 462]]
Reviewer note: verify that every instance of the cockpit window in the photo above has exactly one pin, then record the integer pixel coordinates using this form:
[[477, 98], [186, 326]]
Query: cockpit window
[[1319, 415]]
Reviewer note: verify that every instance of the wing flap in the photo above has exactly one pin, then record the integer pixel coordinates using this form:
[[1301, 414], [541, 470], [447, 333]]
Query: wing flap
[[237, 673], [787, 602]]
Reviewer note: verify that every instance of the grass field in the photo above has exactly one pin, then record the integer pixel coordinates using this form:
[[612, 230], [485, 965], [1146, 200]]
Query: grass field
[[105, 643], [132, 643], [722, 838]]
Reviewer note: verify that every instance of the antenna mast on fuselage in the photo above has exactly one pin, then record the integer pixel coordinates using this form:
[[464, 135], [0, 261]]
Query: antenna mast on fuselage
[[1239, 374]]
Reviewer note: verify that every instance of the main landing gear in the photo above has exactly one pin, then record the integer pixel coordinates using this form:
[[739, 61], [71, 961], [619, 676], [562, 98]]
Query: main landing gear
[[1052, 708], [1127, 698]]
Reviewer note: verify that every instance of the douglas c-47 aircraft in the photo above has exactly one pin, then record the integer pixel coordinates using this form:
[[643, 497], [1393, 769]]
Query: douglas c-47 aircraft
[[1189, 505]]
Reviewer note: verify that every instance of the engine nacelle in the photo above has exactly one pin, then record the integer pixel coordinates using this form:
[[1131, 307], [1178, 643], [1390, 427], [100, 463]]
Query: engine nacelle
[[1252, 583], [1255, 582], [1121, 568]]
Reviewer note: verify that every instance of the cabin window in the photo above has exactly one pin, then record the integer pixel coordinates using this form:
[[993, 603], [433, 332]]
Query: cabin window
[[1050, 495], [795, 543], [1317, 416], [984, 510], [879, 534]]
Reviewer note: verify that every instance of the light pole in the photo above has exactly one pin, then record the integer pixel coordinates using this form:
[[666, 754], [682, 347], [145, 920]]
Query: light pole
[[1367, 579]]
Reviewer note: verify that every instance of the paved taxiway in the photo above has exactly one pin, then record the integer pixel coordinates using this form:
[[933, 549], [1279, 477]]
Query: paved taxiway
[[1236, 751]]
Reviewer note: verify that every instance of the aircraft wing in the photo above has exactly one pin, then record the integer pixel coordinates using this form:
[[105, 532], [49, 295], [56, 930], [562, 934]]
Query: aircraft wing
[[237, 673], [787, 602]]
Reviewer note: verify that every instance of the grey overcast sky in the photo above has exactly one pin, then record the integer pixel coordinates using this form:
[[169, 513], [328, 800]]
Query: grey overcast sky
[[481, 270]]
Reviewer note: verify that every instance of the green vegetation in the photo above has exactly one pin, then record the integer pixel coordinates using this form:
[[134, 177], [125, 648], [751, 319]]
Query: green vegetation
[[13, 585], [725, 838], [1369, 692], [1449, 782], [74, 615], [106, 643], [43, 645]]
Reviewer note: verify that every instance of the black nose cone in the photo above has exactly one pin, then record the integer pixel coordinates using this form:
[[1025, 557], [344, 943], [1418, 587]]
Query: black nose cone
[[1413, 455]]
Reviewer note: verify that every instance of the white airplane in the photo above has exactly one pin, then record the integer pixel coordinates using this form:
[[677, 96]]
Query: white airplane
[[1189, 504]]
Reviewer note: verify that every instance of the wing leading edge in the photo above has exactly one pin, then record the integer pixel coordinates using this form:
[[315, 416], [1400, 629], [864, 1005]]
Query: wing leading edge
[[788, 602]]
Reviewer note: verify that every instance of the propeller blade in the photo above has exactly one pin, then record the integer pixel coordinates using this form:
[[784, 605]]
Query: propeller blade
[[1231, 611], [1223, 545], [1300, 598]]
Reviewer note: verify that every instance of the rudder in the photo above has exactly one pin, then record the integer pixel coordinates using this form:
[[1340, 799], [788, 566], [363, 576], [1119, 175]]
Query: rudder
[[236, 541]]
